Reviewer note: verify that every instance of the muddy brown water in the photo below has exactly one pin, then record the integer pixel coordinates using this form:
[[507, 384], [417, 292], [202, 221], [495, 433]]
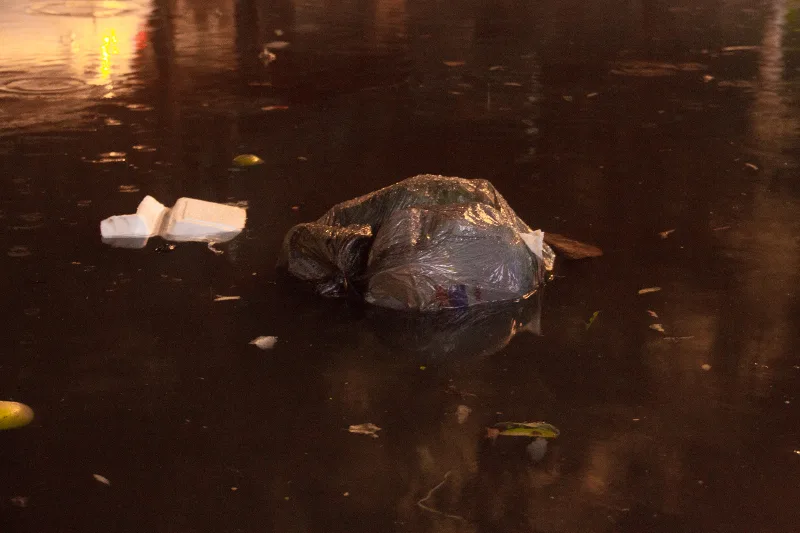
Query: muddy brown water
[[609, 122]]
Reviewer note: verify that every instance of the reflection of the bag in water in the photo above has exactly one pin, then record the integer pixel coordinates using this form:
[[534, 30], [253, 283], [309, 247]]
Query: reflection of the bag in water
[[475, 331]]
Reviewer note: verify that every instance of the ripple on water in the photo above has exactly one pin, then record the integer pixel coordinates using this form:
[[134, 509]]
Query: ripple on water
[[43, 85], [83, 8], [19, 251]]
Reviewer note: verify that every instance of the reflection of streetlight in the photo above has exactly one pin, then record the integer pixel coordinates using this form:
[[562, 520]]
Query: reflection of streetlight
[[107, 49]]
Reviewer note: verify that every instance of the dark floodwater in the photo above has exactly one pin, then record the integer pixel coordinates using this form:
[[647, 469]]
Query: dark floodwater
[[609, 121]]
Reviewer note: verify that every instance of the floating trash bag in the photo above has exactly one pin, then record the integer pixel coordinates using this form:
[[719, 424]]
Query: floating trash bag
[[425, 243]]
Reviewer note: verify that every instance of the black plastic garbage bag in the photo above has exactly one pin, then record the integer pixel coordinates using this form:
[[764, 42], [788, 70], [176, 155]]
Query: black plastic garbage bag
[[425, 243]]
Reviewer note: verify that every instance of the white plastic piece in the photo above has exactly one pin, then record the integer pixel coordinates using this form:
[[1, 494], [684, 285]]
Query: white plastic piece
[[188, 220], [124, 226], [153, 212], [197, 220], [535, 242]]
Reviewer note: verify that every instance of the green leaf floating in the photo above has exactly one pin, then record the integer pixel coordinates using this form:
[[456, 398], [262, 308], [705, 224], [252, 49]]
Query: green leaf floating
[[247, 160], [14, 415], [527, 429]]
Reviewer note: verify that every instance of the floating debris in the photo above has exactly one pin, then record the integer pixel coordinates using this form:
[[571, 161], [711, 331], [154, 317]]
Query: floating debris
[[657, 327], [226, 298], [675, 339], [275, 108], [665, 234], [102, 479], [652, 313], [266, 56], [567, 98], [14, 415], [462, 413], [752, 167], [738, 48], [215, 250], [278, 45], [707, 78], [592, 95], [454, 63], [365, 429], [525, 429], [570, 248], [705, 367], [512, 84], [648, 290], [128, 188], [421, 503], [165, 248], [19, 501], [247, 160], [265, 342], [592, 319], [143, 148]]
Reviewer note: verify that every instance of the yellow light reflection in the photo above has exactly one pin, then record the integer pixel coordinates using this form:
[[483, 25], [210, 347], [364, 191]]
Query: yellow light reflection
[[108, 48]]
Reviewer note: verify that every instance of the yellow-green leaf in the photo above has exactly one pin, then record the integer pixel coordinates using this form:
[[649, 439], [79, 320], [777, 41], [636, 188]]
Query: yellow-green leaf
[[14, 415], [527, 429]]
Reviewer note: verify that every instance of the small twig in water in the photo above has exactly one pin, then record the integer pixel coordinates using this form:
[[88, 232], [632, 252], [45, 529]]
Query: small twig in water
[[427, 497]]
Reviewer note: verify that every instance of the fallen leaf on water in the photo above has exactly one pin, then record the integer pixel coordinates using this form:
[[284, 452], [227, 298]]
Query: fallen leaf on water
[[652, 313], [526, 429], [705, 367], [648, 290], [592, 319], [707, 78], [657, 327], [462, 413], [14, 415], [571, 249], [102, 479], [365, 429], [454, 63], [226, 298], [567, 98], [264, 342], [665, 234]]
